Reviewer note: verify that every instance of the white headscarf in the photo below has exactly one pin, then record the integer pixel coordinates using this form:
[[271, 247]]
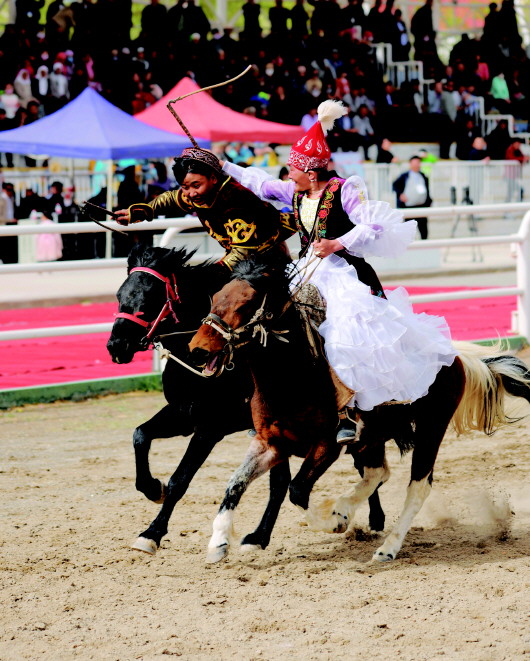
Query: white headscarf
[[22, 86], [58, 82], [42, 79]]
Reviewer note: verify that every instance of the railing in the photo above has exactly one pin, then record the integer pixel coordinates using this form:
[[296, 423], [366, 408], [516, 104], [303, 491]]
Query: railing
[[495, 182], [399, 72], [520, 239]]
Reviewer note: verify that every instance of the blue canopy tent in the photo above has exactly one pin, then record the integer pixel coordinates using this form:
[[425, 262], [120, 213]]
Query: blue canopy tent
[[91, 127]]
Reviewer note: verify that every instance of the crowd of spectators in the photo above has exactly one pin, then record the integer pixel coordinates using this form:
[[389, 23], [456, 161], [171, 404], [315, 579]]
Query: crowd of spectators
[[312, 51]]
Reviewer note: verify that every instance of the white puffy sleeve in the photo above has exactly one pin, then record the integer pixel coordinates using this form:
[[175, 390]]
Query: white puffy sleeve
[[261, 183], [379, 229]]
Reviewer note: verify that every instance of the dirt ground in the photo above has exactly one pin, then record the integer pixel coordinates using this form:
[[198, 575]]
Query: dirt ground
[[71, 588]]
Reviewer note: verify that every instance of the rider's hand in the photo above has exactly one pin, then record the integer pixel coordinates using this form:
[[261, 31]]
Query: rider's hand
[[324, 247], [123, 216]]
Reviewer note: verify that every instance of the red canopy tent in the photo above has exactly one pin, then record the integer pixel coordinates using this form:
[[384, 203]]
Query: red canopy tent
[[207, 118]]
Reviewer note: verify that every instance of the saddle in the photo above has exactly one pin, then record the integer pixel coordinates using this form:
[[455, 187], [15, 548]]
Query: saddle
[[311, 307]]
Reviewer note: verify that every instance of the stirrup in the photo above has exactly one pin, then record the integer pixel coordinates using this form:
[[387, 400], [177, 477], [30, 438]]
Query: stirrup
[[347, 428], [346, 433]]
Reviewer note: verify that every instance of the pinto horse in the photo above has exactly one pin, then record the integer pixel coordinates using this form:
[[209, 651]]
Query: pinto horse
[[294, 411]]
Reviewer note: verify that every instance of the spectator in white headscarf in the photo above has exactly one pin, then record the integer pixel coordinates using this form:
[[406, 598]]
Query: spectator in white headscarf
[[22, 87], [59, 86], [42, 83]]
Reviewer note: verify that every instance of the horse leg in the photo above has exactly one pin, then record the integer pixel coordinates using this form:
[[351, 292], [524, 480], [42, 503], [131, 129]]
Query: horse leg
[[337, 516], [280, 476], [376, 515], [316, 463], [166, 423], [260, 458], [199, 448], [432, 416], [423, 459]]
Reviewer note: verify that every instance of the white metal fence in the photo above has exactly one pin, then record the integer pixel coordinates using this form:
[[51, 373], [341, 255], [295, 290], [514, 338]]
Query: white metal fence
[[495, 182], [520, 240]]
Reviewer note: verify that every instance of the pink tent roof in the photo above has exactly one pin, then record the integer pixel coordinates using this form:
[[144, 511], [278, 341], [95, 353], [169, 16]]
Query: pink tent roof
[[207, 118]]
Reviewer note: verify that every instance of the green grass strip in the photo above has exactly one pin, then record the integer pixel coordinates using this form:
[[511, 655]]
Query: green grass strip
[[78, 390]]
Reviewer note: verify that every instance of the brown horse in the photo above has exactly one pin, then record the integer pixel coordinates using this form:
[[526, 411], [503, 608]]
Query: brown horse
[[294, 410]]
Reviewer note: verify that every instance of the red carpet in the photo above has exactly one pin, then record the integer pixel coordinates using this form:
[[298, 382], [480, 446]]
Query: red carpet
[[77, 358]]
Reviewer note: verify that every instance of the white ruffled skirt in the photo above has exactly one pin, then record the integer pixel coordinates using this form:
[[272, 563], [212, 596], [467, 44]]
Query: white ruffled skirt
[[378, 347]]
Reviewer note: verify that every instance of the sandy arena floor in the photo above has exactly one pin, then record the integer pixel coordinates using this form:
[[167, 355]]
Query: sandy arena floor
[[72, 589]]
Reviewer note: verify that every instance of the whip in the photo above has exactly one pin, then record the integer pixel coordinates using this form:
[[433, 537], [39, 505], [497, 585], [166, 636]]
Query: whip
[[203, 89]]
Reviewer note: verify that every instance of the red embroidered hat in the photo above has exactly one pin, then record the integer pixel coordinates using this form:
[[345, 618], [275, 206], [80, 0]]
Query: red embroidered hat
[[312, 151]]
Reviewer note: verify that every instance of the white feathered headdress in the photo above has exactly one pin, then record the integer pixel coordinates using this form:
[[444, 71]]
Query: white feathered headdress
[[328, 112], [312, 151]]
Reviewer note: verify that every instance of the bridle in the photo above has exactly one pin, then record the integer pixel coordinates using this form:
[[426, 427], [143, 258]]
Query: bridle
[[235, 337], [172, 297]]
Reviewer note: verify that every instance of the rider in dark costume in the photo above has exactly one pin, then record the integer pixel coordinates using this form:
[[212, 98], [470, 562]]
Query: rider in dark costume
[[242, 223]]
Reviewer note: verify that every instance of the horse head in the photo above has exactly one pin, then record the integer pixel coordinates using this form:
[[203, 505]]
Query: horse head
[[243, 310], [149, 300]]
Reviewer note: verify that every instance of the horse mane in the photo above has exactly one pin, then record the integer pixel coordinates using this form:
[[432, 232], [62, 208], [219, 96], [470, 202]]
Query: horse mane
[[264, 272], [165, 260]]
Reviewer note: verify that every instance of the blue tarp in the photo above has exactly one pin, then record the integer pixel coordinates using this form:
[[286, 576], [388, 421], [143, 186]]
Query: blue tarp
[[91, 127]]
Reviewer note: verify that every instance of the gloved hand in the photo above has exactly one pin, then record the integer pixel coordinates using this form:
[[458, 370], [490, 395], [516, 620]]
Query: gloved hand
[[136, 213]]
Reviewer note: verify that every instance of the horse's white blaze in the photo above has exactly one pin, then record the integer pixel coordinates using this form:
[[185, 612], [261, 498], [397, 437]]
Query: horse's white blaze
[[337, 516], [417, 493]]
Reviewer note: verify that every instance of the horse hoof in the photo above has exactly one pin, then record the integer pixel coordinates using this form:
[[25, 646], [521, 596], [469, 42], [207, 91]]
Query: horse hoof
[[163, 489], [217, 553], [145, 545], [250, 548], [379, 556], [342, 522]]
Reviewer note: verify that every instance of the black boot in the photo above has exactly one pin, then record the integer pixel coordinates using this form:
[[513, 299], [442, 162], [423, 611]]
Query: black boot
[[347, 428]]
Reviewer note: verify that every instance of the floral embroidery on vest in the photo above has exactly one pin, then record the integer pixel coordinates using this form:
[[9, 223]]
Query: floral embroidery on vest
[[326, 202]]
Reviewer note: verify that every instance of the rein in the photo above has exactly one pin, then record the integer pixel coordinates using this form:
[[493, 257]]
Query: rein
[[165, 353], [83, 209]]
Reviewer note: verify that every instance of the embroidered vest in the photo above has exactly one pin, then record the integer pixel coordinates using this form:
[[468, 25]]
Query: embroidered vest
[[332, 221]]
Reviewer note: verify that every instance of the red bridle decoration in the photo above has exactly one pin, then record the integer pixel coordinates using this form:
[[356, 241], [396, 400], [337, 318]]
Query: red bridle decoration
[[172, 297]]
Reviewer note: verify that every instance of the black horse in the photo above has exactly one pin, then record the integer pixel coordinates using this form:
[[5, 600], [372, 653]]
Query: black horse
[[294, 413], [164, 294]]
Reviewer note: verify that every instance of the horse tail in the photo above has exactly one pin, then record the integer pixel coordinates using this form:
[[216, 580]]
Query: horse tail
[[490, 376]]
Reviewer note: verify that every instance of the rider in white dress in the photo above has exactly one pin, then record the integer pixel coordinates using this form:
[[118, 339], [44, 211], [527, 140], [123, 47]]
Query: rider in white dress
[[374, 341]]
